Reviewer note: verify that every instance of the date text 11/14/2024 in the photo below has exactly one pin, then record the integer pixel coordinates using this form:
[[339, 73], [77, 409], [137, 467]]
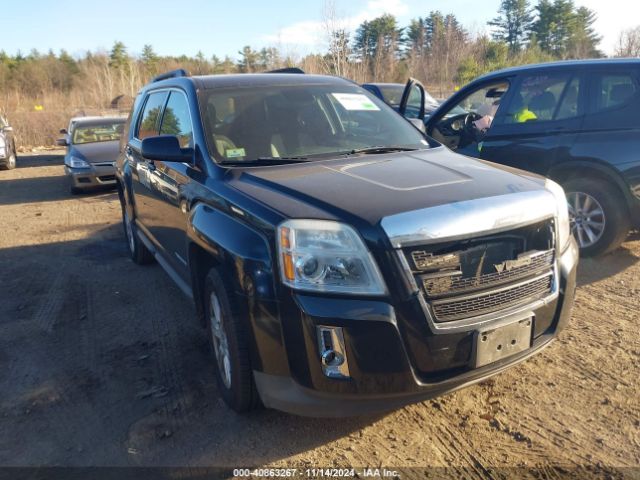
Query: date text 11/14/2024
[[316, 473]]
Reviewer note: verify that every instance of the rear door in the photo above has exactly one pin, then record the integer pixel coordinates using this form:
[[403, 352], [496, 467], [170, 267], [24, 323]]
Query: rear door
[[538, 121], [611, 131]]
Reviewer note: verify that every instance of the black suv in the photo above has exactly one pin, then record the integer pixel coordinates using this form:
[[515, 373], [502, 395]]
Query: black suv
[[341, 261], [576, 122], [7, 146]]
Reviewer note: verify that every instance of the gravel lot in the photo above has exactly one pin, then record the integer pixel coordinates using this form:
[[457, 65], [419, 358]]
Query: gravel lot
[[103, 363]]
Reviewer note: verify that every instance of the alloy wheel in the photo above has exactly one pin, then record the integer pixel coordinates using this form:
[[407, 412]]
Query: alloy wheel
[[587, 218], [220, 342]]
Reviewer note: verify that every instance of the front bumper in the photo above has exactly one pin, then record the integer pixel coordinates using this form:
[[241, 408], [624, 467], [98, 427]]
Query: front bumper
[[381, 343], [92, 177]]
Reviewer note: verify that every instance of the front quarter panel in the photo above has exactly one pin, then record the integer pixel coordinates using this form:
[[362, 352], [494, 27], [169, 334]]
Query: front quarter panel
[[244, 255]]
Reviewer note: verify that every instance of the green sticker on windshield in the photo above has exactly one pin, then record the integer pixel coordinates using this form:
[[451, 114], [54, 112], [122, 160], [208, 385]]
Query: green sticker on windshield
[[355, 101], [234, 152]]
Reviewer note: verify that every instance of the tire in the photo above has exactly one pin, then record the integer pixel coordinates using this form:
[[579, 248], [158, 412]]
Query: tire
[[228, 336], [596, 233], [138, 251], [11, 162]]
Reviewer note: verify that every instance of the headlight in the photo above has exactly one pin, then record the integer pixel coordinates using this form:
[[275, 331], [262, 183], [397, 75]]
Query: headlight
[[325, 256], [564, 228], [75, 162]]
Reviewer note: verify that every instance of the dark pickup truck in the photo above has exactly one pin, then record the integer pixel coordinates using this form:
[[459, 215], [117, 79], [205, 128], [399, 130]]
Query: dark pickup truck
[[342, 261]]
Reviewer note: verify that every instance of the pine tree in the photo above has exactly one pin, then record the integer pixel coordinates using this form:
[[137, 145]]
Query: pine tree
[[513, 23], [118, 57], [380, 36]]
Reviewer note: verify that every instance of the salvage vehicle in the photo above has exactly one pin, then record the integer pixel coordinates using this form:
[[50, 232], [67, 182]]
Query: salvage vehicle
[[392, 94], [7, 146], [92, 148], [341, 261], [575, 122]]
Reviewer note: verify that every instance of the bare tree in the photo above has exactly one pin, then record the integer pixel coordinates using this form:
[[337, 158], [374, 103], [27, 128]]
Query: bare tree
[[629, 43]]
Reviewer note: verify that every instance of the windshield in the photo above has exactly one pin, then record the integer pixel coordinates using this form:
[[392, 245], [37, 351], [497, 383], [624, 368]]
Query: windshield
[[300, 121], [392, 94], [99, 132]]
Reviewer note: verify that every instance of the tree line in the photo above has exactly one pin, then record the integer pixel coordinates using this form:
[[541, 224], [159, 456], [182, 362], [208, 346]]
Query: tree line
[[435, 48]]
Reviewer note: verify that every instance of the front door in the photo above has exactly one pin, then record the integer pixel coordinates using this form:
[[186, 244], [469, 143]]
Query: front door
[[539, 122], [413, 100], [168, 180], [469, 121], [146, 206]]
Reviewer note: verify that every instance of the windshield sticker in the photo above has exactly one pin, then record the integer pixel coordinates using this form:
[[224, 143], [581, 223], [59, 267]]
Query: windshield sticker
[[234, 152], [355, 101]]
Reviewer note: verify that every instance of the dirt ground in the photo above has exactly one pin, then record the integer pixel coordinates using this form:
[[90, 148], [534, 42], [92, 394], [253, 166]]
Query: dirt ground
[[102, 363]]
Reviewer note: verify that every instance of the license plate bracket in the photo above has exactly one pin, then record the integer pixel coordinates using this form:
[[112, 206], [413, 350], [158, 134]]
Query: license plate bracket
[[501, 342]]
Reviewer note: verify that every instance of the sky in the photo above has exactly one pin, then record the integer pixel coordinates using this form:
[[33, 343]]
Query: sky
[[223, 27]]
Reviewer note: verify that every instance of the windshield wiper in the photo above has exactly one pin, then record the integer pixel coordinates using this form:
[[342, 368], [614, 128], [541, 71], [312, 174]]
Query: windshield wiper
[[380, 149], [266, 161]]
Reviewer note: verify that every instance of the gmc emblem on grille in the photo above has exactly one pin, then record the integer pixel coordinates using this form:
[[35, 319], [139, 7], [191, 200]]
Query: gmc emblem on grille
[[509, 265]]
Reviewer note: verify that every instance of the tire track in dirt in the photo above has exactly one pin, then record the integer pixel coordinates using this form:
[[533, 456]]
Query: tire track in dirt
[[169, 379]]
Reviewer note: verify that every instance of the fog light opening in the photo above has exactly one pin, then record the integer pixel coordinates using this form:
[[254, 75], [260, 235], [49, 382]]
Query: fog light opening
[[332, 352]]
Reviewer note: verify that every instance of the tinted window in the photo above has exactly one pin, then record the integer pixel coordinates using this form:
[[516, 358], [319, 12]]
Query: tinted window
[[614, 90], [148, 126], [543, 98], [176, 120]]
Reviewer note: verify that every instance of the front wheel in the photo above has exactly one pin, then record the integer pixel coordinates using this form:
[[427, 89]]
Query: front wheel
[[598, 215], [229, 341], [11, 162]]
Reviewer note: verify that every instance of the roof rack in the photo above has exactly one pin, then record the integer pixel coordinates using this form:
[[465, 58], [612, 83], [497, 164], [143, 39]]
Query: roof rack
[[287, 70], [180, 72]]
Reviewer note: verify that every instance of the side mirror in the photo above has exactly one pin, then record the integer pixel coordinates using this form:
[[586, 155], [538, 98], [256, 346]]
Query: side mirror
[[63, 142], [7, 129], [165, 147], [63, 131], [418, 123]]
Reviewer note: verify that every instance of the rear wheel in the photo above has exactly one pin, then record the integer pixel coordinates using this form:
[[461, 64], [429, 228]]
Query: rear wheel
[[138, 252], [229, 341], [598, 214]]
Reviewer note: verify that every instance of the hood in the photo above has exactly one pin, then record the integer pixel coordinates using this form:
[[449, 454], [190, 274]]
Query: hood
[[376, 186], [96, 152]]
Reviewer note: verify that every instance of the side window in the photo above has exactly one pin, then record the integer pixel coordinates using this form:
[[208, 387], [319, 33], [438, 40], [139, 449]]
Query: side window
[[148, 125], [471, 118], [544, 98], [176, 120], [613, 90]]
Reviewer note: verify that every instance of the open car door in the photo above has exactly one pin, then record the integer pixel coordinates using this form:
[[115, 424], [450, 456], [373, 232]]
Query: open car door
[[413, 100]]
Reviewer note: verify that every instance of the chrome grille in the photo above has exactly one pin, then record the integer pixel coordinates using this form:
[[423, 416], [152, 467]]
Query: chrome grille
[[462, 280], [528, 264], [482, 303]]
